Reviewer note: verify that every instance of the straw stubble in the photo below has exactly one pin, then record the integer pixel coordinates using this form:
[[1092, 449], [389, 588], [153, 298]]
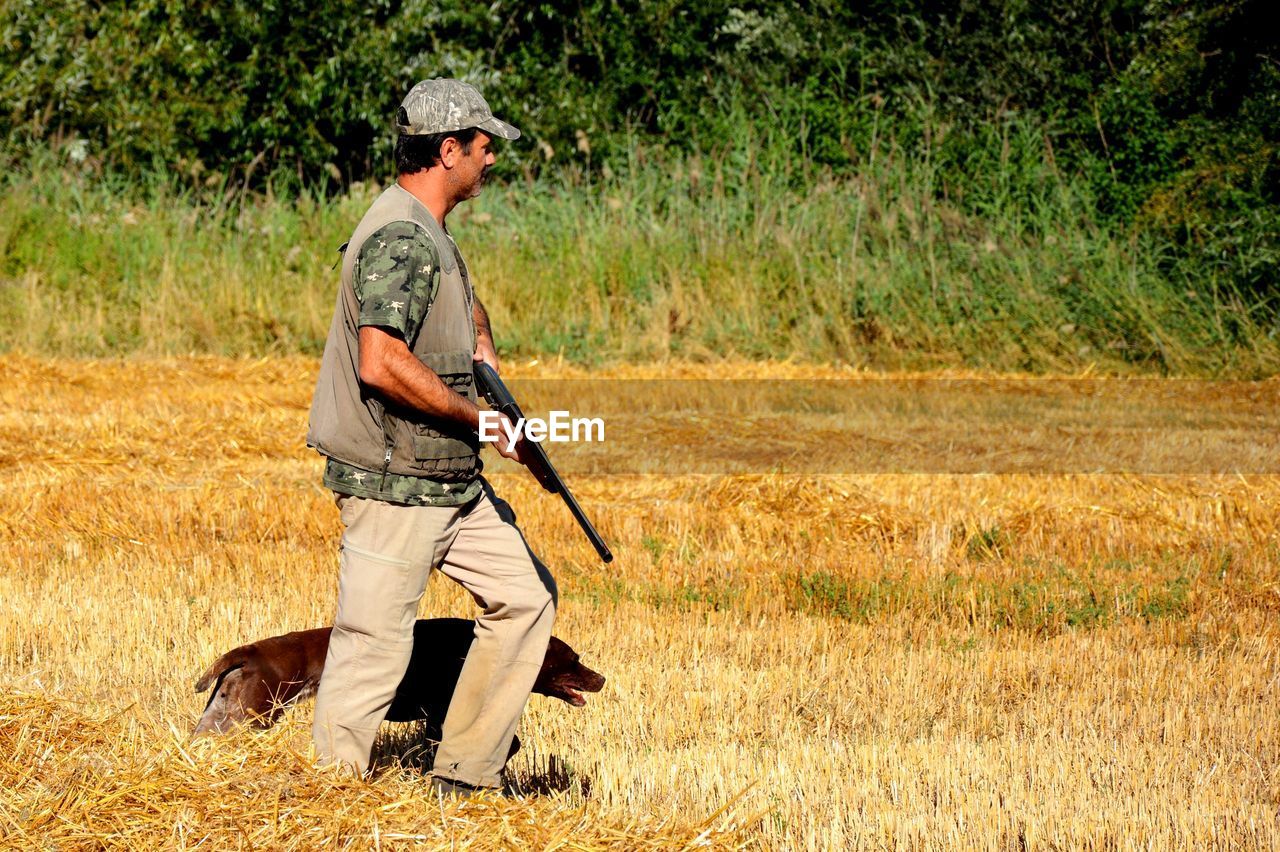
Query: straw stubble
[[852, 661]]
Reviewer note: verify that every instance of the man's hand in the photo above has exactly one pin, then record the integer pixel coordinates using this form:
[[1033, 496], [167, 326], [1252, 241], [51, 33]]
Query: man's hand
[[504, 429], [485, 350]]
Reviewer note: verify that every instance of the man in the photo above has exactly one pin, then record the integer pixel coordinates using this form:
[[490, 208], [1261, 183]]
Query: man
[[395, 414]]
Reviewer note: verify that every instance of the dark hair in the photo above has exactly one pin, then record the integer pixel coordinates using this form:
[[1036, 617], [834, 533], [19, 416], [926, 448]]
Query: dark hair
[[415, 153]]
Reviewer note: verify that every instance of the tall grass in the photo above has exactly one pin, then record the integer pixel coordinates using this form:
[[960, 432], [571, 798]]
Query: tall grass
[[936, 254]]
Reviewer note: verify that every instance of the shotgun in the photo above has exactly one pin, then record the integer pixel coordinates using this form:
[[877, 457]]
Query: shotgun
[[500, 399]]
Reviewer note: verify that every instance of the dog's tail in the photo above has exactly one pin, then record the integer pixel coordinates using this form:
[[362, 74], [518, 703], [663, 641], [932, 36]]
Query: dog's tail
[[233, 659]]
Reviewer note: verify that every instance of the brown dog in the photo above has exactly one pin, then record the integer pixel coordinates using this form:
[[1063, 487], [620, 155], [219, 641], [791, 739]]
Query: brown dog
[[256, 682]]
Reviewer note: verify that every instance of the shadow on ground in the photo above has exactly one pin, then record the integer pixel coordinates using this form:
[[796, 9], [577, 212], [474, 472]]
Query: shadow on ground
[[412, 747]]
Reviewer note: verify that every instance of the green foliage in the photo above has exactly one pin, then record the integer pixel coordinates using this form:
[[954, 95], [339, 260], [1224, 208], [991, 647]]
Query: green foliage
[[310, 86], [1160, 118], [291, 91]]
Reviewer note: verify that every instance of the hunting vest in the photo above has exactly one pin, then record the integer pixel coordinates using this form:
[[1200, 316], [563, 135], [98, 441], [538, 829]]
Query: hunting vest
[[348, 422]]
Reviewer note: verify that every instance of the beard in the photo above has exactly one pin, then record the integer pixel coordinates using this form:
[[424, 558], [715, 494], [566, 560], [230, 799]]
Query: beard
[[481, 180], [479, 183]]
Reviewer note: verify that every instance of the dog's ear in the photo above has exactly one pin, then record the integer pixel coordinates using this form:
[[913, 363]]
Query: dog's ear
[[225, 663], [559, 654]]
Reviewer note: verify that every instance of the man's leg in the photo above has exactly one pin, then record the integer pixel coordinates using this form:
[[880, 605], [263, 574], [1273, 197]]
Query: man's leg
[[490, 559], [387, 554]]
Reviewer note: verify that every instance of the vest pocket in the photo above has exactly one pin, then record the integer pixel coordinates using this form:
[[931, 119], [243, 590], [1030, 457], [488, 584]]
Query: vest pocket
[[456, 369], [449, 454], [443, 448], [441, 456]]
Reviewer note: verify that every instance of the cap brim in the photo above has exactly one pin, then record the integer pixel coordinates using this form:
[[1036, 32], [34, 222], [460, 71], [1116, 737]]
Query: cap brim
[[497, 127]]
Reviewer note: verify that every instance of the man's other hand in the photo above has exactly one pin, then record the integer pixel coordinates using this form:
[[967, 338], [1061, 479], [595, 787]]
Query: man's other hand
[[485, 351], [504, 429]]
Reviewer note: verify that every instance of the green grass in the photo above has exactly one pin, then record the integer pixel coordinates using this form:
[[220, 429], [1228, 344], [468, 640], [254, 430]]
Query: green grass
[[1042, 601], [742, 252]]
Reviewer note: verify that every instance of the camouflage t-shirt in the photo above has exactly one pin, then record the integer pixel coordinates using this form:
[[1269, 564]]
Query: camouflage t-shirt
[[395, 279]]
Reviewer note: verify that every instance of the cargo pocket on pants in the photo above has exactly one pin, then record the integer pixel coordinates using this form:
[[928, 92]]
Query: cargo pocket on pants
[[374, 595]]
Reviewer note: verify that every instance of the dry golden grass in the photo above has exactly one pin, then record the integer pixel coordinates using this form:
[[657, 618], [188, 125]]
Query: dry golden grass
[[854, 661]]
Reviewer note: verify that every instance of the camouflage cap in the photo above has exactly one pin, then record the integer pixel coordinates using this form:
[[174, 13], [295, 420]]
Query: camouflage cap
[[443, 105]]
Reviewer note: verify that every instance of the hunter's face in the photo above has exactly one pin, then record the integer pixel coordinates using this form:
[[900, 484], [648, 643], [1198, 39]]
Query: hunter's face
[[474, 165]]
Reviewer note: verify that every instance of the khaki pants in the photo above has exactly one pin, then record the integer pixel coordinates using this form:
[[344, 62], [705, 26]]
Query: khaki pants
[[388, 552]]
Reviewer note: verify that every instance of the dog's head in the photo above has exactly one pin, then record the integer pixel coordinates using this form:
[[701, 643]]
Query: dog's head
[[563, 676]]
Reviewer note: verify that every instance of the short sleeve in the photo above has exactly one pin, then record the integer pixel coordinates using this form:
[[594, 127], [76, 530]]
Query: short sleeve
[[395, 278]]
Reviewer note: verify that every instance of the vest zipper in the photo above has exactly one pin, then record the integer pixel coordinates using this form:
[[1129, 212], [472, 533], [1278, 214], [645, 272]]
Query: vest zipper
[[388, 443]]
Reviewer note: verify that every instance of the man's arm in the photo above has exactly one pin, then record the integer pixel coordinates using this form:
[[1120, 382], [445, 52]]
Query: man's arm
[[389, 368], [485, 350]]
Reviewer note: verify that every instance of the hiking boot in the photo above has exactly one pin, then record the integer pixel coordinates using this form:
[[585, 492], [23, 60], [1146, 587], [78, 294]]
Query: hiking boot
[[449, 787]]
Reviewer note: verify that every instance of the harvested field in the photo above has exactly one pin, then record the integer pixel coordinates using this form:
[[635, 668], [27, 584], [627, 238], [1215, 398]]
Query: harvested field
[[857, 660]]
